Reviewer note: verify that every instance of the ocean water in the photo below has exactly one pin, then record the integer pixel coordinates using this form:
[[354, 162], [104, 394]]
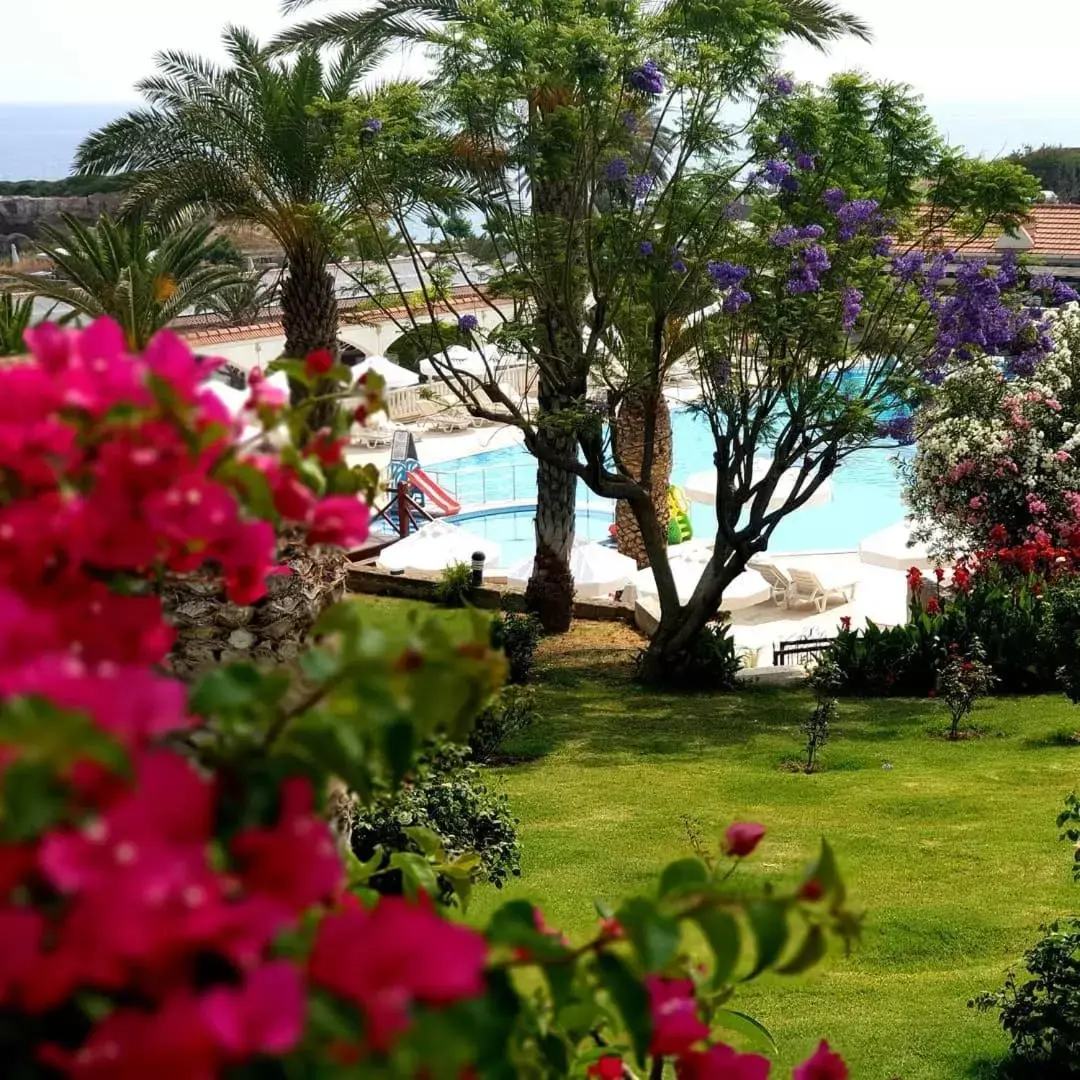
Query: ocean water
[[38, 142], [866, 495]]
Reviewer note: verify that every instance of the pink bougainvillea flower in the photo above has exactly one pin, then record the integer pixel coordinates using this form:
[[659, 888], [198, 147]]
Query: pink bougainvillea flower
[[171, 1043], [341, 520], [721, 1062], [326, 448], [21, 934], [742, 838], [823, 1064], [296, 862], [676, 1025], [388, 958], [265, 1015], [293, 499]]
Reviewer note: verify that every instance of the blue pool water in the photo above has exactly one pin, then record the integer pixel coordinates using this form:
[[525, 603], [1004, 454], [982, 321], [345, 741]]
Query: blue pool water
[[866, 496]]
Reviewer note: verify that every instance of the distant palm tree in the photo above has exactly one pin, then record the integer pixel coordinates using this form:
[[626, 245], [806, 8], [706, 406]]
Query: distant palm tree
[[142, 275], [369, 28], [246, 143], [16, 317], [244, 303]]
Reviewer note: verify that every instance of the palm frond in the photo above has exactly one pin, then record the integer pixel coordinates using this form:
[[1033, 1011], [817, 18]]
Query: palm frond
[[818, 22], [387, 22]]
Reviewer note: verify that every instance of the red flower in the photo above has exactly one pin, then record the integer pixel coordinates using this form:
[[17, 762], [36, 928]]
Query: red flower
[[341, 520], [611, 930], [845, 623], [326, 448], [931, 693], [293, 499], [939, 573], [914, 579], [296, 862], [676, 1025], [823, 1064], [393, 956], [21, 934], [742, 837], [319, 362], [721, 1062], [933, 606], [812, 890], [609, 1067]]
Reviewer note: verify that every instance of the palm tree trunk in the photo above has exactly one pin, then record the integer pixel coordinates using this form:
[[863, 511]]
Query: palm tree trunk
[[309, 313], [630, 428]]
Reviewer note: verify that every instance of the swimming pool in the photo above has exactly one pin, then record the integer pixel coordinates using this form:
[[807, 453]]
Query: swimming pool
[[866, 495]]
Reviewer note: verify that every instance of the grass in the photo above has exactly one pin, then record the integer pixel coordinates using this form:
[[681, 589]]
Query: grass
[[949, 848]]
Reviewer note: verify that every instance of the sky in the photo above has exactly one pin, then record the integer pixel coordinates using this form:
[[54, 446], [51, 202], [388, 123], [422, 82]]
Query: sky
[[991, 78]]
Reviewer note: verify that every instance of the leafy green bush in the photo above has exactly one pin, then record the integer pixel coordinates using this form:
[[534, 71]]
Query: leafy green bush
[[1061, 633], [420, 342], [511, 713], [825, 681], [714, 662], [1042, 1016], [449, 798], [964, 679], [455, 586], [517, 634]]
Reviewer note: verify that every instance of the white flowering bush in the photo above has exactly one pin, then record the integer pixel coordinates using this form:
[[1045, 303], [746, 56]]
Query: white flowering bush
[[998, 458]]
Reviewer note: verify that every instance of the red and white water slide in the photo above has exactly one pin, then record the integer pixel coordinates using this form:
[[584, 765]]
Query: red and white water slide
[[434, 495]]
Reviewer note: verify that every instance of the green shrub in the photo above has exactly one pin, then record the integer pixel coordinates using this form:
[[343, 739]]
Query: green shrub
[[1042, 1015], [1061, 633], [455, 586], [448, 797], [714, 662], [517, 635], [511, 713], [825, 681], [964, 679]]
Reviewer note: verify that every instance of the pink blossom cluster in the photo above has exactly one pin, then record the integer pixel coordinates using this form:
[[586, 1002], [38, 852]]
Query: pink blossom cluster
[[133, 893]]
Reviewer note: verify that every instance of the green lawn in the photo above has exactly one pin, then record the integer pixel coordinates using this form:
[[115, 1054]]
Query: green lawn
[[949, 848]]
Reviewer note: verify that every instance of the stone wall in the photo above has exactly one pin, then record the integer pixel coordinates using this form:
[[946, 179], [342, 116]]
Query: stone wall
[[21, 216]]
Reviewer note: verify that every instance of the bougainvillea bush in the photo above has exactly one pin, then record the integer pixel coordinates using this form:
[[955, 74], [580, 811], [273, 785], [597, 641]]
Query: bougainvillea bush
[[173, 901], [998, 459]]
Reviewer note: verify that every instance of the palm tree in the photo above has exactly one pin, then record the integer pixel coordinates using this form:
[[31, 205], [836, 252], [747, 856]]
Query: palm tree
[[816, 22], [143, 276], [243, 303], [246, 143]]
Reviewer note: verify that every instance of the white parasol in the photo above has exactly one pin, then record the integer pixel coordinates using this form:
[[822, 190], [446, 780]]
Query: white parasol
[[597, 570], [435, 546], [701, 487]]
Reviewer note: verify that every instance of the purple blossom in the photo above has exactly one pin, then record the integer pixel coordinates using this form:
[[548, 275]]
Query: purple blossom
[[725, 275], [775, 172], [855, 217], [782, 85], [816, 258], [467, 323], [630, 121], [647, 78], [789, 183], [834, 198], [883, 245], [734, 300], [1043, 282], [811, 232], [1063, 294], [908, 265], [616, 170], [677, 265], [806, 266], [642, 185], [801, 281], [786, 141], [900, 427], [645, 247], [852, 301], [784, 237], [371, 126], [805, 162]]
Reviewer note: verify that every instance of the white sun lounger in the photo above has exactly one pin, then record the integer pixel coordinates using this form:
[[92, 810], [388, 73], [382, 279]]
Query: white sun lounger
[[779, 582], [808, 588]]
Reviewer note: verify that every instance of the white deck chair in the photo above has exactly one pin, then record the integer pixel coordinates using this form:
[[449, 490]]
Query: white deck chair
[[807, 587], [779, 583], [439, 416]]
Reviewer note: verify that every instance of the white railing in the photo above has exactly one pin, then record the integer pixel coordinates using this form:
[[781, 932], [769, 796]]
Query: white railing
[[404, 405]]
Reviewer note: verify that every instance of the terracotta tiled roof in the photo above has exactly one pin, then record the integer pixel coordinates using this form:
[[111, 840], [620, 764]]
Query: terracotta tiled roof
[[464, 299], [1054, 230]]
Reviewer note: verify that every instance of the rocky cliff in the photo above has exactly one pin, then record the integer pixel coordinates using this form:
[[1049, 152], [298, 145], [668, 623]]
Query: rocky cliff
[[21, 216]]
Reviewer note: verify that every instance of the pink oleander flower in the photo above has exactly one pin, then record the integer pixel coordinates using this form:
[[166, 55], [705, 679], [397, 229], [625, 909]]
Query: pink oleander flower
[[742, 838]]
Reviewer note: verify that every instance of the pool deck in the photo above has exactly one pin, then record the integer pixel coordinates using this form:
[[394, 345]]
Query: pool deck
[[433, 447]]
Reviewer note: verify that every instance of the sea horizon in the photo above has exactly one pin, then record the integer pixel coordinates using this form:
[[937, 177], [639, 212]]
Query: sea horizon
[[38, 140]]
